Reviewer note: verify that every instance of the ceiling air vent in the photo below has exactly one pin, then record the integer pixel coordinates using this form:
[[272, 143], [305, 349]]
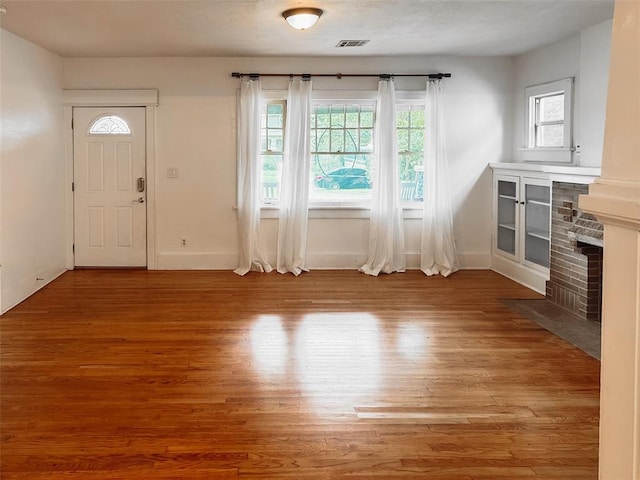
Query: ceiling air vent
[[351, 43]]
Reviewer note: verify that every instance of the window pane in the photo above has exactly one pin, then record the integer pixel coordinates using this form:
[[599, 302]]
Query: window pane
[[340, 177], [366, 140], [337, 116], [337, 140], [417, 118], [314, 147], [351, 140], [402, 118], [270, 181], [323, 117], [323, 137], [274, 115], [417, 140], [366, 117], [408, 162], [552, 108], [352, 116], [274, 140], [403, 140], [110, 125], [550, 136]]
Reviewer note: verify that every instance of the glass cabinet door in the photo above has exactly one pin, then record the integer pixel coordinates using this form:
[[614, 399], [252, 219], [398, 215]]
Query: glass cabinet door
[[506, 211], [537, 199]]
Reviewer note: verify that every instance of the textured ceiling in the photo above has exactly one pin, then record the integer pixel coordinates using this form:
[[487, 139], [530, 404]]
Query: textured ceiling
[[113, 28]]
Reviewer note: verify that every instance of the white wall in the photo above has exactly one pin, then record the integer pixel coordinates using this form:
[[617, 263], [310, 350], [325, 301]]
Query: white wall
[[196, 132], [32, 170], [595, 52], [586, 58]]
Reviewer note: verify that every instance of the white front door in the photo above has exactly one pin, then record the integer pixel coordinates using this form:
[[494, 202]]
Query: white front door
[[109, 160]]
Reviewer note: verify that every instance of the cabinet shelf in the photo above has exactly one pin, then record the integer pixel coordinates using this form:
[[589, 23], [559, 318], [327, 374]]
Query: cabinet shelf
[[508, 197], [538, 202], [541, 234], [508, 226]]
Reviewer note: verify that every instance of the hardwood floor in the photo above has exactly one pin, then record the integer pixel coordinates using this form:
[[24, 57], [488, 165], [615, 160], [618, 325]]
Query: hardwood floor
[[207, 375]]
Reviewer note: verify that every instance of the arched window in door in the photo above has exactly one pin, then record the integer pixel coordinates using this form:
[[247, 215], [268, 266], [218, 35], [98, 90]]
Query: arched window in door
[[109, 125]]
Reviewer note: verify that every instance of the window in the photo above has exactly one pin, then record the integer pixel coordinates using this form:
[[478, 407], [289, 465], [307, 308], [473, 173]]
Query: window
[[271, 150], [341, 151], [410, 128], [548, 121], [109, 125]]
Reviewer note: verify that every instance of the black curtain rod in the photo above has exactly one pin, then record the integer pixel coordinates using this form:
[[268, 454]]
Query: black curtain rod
[[307, 76]]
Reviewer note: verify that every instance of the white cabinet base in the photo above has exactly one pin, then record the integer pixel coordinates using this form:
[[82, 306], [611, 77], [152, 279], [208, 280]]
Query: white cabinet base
[[534, 279]]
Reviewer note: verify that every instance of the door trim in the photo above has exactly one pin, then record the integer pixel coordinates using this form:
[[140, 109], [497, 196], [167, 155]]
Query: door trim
[[113, 98]]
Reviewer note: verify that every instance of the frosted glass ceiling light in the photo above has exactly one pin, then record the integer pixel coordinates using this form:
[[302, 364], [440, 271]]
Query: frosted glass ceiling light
[[302, 18]]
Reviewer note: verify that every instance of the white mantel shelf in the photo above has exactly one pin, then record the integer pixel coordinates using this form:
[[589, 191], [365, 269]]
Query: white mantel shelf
[[556, 173]]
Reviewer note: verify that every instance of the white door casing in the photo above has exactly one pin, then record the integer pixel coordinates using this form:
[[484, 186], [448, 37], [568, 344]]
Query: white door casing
[[109, 210]]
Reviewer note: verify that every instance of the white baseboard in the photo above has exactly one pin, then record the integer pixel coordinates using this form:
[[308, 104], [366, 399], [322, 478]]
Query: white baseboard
[[315, 261], [197, 261], [12, 295], [533, 279], [475, 261]]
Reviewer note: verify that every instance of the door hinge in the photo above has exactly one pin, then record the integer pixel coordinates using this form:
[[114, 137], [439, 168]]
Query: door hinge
[[73, 186], [72, 124], [73, 248]]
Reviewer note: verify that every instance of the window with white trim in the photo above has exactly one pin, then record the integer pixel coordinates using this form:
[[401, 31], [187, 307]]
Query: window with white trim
[[548, 115], [271, 150], [410, 128], [342, 151]]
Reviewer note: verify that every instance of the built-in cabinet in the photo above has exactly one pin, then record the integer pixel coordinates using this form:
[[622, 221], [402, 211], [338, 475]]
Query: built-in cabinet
[[522, 207], [523, 214], [522, 228]]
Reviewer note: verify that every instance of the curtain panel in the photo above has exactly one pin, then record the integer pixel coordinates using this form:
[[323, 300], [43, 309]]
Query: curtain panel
[[438, 249], [386, 227], [249, 115], [294, 190]]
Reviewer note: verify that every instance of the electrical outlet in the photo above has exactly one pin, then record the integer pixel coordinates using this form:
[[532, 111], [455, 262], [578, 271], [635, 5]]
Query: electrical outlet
[[183, 242]]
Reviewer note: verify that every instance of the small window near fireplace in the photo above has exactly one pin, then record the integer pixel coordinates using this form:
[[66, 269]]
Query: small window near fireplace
[[548, 114]]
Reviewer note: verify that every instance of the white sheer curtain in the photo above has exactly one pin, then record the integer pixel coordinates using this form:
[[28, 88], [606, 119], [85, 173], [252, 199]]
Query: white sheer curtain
[[294, 190], [249, 113], [438, 249], [386, 229]]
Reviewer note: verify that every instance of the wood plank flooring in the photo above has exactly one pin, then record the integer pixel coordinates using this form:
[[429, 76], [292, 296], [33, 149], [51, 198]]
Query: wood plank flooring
[[206, 375]]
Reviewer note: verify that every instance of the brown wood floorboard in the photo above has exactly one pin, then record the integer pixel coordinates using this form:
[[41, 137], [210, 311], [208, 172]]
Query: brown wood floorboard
[[110, 374]]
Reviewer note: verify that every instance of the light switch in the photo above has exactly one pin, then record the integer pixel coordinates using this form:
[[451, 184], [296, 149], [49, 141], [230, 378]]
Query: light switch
[[172, 172]]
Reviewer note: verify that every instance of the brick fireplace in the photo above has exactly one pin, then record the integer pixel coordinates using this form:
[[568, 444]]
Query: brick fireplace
[[575, 280]]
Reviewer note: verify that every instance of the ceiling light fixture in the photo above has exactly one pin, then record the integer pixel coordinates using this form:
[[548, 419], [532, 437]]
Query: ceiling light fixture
[[302, 18], [3, 9]]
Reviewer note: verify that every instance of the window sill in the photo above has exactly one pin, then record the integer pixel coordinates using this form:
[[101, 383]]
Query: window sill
[[409, 211]]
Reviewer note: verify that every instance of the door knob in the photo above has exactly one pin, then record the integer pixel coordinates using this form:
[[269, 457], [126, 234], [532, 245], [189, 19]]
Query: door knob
[[139, 200]]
